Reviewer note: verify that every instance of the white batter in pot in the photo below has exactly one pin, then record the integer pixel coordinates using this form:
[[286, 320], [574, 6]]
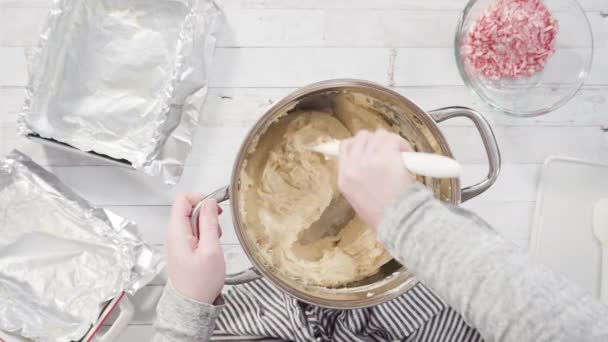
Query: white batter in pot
[[285, 188]]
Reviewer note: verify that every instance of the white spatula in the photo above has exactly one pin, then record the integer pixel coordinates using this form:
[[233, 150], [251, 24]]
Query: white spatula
[[600, 229], [424, 164]]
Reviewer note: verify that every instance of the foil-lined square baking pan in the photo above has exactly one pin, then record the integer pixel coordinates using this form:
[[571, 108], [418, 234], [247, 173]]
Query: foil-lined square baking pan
[[61, 259], [123, 80]]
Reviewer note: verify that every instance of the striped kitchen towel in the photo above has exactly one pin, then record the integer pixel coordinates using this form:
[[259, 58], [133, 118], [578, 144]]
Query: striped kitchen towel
[[260, 309]]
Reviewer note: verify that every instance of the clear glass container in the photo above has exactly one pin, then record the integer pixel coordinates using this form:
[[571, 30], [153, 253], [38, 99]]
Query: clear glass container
[[546, 90]]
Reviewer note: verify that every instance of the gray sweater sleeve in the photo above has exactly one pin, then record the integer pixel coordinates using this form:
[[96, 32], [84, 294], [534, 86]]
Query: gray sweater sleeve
[[182, 319], [490, 281]]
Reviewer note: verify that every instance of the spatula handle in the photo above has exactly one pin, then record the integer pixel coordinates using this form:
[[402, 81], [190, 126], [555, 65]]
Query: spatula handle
[[431, 165], [604, 275], [424, 164]]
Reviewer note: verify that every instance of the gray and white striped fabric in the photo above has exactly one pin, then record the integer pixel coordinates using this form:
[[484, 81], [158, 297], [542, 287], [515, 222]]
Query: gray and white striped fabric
[[260, 309]]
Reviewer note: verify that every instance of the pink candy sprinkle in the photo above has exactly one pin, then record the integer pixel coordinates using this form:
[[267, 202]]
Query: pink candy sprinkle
[[512, 38]]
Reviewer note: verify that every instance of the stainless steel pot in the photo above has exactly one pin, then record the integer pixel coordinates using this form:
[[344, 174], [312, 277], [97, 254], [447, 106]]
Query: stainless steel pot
[[418, 126]]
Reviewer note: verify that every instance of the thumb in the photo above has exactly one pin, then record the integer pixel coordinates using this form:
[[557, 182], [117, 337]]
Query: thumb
[[209, 224], [404, 145]]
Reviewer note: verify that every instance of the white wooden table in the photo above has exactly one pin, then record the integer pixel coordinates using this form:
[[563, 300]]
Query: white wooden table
[[270, 47]]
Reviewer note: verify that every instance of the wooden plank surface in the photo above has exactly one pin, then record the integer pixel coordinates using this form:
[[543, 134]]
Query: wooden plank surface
[[241, 107], [296, 67], [314, 28], [229, 5], [267, 49]]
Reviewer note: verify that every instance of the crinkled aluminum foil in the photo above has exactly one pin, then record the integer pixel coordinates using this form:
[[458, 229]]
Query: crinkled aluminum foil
[[123, 78], [61, 258]]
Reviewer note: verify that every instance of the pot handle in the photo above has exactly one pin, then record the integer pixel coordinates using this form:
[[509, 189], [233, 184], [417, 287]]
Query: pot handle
[[489, 142], [220, 195]]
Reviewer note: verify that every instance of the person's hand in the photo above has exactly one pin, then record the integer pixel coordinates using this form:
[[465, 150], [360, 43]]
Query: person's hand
[[196, 267], [371, 173]]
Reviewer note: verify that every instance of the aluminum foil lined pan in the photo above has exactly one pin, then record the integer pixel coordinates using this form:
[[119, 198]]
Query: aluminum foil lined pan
[[60, 257], [124, 79]]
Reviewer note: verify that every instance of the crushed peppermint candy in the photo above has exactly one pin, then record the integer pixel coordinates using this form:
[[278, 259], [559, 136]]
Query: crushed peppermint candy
[[511, 39]]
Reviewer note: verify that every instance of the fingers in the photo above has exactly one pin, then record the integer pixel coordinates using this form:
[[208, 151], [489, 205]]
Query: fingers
[[343, 160], [360, 142], [179, 222], [367, 143], [209, 225], [194, 197], [383, 140], [180, 226], [345, 148], [404, 145]]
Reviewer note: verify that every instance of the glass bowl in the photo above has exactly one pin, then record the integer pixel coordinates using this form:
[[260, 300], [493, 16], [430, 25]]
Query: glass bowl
[[546, 90]]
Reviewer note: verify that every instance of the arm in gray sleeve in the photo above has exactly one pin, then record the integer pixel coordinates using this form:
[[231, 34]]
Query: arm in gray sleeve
[[183, 319], [490, 281]]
